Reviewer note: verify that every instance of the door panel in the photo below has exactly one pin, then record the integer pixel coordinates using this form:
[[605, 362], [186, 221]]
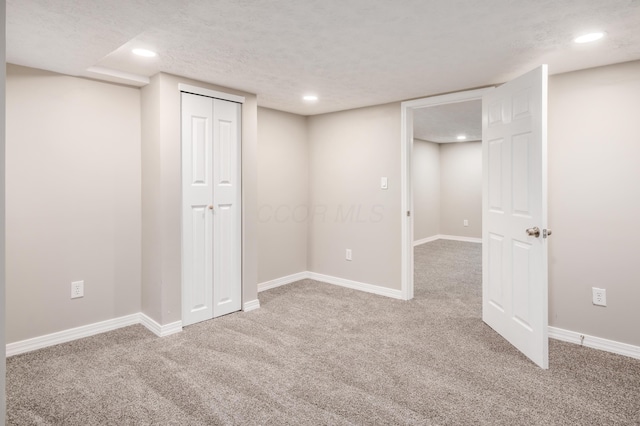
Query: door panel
[[514, 200], [197, 226], [227, 214]]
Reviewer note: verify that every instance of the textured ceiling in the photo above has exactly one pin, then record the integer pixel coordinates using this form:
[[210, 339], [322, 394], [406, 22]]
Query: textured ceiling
[[443, 123], [351, 53]]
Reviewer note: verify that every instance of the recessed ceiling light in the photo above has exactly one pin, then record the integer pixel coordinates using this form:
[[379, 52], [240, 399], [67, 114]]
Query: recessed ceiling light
[[144, 52], [310, 98], [461, 137], [587, 38]]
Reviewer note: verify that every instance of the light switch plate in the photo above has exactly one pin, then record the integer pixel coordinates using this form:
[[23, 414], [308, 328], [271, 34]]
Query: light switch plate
[[384, 183]]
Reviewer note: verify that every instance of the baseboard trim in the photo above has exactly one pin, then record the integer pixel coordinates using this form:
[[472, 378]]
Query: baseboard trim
[[64, 336], [595, 342], [158, 329], [267, 285], [464, 239], [356, 285], [251, 305], [88, 330], [446, 237], [426, 240]]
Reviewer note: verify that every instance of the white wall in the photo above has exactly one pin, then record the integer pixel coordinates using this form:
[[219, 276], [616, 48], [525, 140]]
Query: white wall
[[348, 154], [461, 189], [594, 200], [283, 194], [72, 201], [425, 171]]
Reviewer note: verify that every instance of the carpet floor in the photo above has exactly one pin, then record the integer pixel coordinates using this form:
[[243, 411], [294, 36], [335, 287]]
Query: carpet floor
[[321, 354]]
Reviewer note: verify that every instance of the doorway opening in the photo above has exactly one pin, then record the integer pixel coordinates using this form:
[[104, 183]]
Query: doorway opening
[[414, 122]]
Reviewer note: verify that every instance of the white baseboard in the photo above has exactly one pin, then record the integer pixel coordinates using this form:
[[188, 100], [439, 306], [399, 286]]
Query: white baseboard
[[595, 342], [40, 342], [447, 237], [369, 288], [356, 285], [465, 239], [251, 305], [426, 240], [160, 330], [267, 285], [64, 336]]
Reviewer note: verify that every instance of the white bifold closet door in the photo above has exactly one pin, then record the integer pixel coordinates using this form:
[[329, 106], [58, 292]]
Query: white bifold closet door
[[211, 208]]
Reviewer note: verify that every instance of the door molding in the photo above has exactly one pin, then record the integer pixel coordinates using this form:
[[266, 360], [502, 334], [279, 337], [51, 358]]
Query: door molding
[[186, 88], [406, 150]]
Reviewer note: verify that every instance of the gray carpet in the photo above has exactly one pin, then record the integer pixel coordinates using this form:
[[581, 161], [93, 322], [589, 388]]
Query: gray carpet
[[321, 354]]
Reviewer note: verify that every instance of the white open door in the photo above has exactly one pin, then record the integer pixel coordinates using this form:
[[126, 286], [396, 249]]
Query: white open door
[[514, 231]]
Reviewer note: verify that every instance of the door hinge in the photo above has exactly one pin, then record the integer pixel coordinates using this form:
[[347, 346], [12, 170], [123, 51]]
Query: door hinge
[[408, 213]]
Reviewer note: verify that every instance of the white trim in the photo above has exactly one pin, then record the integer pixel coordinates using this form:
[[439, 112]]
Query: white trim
[[76, 333], [446, 237], [267, 285], [426, 240], [64, 336], [160, 330], [210, 93], [119, 75], [406, 148], [595, 342], [356, 285], [251, 305], [464, 239]]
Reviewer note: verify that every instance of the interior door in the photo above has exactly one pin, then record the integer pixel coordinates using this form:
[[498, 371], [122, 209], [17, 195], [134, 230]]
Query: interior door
[[227, 213], [197, 208], [211, 208], [514, 250]]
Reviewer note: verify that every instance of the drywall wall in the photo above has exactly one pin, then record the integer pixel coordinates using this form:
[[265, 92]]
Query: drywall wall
[[461, 189], [283, 200], [72, 201], [161, 198], [594, 200], [349, 152], [425, 171], [2, 214]]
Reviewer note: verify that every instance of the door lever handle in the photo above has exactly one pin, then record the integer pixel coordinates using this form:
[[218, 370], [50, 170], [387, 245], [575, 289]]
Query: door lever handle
[[533, 232]]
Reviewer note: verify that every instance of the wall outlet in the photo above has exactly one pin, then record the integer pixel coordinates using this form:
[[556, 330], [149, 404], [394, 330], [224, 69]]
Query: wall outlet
[[466, 222], [599, 296], [77, 289], [348, 254]]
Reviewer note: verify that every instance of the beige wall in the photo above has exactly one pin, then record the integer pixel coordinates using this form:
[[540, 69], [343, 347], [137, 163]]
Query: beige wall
[[425, 171], [461, 189], [161, 199], [447, 189], [594, 200], [72, 201], [283, 194], [349, 152]]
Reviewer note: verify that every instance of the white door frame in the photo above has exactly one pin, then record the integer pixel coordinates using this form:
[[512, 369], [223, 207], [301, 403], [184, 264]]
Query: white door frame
[[186, 88], [406, 140]]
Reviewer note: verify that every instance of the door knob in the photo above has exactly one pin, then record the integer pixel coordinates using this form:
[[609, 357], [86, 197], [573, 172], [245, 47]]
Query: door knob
[[533, 232], [210, 206]]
